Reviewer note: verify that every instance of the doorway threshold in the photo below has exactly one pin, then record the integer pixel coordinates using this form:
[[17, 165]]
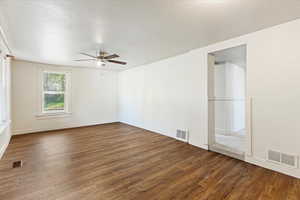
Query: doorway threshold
[[219, 148]]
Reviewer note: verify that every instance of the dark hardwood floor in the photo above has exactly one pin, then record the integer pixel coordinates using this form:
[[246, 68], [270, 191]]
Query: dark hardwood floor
[[117, 161]]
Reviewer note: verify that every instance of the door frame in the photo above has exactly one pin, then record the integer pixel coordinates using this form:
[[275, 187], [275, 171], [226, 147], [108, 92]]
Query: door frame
[[248, 102]]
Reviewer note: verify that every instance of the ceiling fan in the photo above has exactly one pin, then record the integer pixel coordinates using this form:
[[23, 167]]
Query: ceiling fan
[[102, 58]]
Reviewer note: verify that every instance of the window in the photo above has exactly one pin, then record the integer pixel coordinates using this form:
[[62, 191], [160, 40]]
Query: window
[[2, 93], [55, 92]]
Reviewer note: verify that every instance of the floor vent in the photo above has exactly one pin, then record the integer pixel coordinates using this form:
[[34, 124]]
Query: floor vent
[[182, 135], [283, 158], [17, 164]]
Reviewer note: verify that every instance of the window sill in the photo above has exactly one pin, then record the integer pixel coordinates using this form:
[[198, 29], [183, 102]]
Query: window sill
[[53, 115], [3, 126]]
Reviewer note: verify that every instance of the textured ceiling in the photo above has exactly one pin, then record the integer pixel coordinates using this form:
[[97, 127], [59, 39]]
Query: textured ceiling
[[140, 31]]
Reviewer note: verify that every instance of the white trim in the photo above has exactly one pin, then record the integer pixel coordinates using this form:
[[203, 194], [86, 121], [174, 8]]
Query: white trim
[[201, 146], [231, 43], [4, 126], [2, 150], [66, 112], [56, 114], [27, 131], [272, 166], [65, 92], [249, 134], [4, 95], [249, 159]]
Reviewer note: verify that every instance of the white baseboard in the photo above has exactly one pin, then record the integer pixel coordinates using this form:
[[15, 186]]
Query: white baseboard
[[141, 127], [2, 150], [274, 167], [203, 146], [27, 131], [253, 160], [5, 129]]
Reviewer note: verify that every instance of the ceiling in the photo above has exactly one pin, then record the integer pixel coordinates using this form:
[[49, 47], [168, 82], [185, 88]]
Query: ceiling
[[140, 31]]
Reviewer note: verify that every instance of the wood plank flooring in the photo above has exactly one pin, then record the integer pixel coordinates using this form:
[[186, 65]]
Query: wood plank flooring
[[121, 162]]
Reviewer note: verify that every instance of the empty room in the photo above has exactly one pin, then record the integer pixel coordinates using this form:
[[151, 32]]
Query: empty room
[[149, 100]]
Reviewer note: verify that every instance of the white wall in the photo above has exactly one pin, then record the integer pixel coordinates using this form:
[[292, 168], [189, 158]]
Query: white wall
[[166, 96], [5, 132], [172, 93], [93, 98]]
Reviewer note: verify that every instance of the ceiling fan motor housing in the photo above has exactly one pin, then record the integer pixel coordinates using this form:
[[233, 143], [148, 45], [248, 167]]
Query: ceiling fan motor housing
[[102, 58]]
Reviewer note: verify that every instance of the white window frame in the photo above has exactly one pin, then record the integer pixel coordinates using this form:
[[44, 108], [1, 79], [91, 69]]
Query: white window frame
[[42, 113], [2, 91]]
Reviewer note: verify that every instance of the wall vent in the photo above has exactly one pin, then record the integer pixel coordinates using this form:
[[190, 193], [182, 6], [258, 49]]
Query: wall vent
[[274, 156], [289, 160], [182, 135], [283, 158]]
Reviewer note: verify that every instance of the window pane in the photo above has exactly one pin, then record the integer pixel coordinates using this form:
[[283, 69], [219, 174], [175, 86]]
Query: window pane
[[2, 106], [54, 82], [54, 102]]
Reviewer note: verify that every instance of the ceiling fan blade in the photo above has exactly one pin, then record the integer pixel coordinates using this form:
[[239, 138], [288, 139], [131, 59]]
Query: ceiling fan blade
[[117, 62], [88, 55], [85, 60], [111, 56]]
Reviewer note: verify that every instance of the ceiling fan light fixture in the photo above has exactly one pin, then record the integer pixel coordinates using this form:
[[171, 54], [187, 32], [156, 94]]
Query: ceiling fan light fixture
[[100, 63], [102, 58]]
